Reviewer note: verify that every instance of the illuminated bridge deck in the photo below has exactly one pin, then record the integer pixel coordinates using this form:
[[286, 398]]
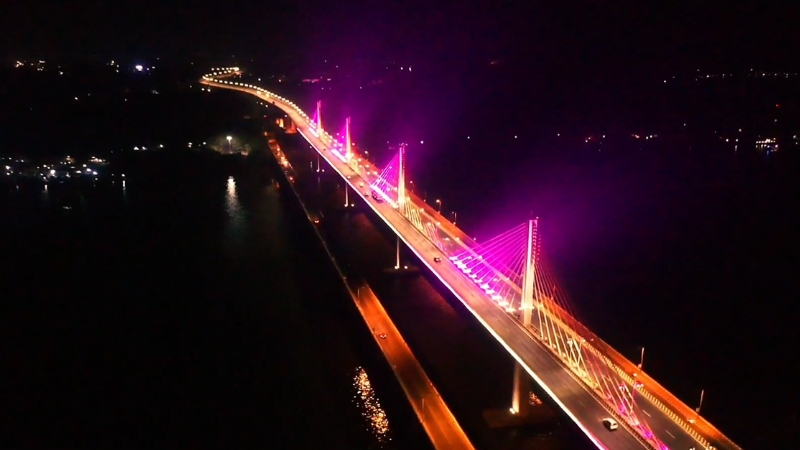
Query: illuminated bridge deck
[[671, 424]]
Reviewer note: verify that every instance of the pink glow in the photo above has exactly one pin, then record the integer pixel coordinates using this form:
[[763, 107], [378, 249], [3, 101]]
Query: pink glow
[[348, 144], [386, 183], [496, 265], [493, 266], [433, 269], [318, 115]]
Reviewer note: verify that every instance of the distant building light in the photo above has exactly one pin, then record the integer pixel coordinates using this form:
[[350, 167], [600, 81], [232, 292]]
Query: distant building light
[[139, 68]]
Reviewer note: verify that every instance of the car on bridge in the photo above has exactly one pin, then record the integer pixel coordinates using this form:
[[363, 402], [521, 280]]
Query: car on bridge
[[610, 423]]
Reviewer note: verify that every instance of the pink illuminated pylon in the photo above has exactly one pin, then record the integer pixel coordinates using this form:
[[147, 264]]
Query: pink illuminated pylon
[[401, 178], [529, 273], [348, 150], [519, 403], [319, 115]]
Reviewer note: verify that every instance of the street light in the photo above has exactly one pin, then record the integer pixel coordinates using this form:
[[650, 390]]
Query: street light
[[439, 202], [230, 149], [641, 359], [455, 217], [702, 394]]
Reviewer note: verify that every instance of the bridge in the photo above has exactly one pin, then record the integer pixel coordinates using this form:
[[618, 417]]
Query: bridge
[[513, 293]]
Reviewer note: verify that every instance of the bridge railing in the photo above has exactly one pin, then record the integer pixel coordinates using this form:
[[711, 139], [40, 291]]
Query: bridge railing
[[614, 360], [592, 387], [580, 372]]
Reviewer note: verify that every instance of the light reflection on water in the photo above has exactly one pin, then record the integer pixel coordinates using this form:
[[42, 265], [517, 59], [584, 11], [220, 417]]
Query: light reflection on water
[[232, 201], [370, 407], [235, 234]]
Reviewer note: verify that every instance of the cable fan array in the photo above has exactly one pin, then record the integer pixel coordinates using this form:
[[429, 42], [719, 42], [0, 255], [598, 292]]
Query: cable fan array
[[497, 267], [386, 183], [423, 222]]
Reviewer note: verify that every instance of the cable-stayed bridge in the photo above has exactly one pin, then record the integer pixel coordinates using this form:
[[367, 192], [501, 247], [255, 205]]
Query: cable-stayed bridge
[[513, 293]]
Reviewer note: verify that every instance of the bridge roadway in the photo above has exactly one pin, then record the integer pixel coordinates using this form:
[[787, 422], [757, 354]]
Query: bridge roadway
[[570, 394], [438, 421]]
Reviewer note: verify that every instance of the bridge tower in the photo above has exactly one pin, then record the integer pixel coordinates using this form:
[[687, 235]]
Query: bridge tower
[[401, 203], [529, 276], [519, 401], [348, 150], [319, 116], [401, 179]]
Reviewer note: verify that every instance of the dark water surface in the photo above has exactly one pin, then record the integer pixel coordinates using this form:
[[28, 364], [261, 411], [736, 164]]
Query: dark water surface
[[182, 311]]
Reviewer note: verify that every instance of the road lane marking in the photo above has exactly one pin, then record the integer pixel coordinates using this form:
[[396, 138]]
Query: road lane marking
[[648, 414], [673, 436]]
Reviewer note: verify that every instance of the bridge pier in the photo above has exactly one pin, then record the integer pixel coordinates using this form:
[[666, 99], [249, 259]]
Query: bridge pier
[[401, 206], [520, 402], [525, 409], [401, 269], [347, 203]]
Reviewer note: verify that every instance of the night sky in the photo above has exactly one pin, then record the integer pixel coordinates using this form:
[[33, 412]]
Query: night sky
[[569, 33]]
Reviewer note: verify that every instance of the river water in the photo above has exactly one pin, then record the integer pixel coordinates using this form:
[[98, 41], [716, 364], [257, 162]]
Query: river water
[[182, 308]]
